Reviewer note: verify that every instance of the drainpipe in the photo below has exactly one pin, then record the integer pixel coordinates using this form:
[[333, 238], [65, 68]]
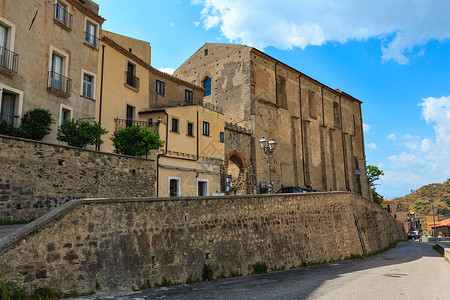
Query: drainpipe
[[101, 91]]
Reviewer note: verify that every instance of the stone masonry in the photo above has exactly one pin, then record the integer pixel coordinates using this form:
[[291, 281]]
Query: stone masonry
[[37, 177], [121, 243]]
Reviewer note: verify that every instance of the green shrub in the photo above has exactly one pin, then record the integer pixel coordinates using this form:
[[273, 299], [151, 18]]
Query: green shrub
[[7, 128], [259, 268], [135, 141], [36, 124], [79, 134], [207, 273]]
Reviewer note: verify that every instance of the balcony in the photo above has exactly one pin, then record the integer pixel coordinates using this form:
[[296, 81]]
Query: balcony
[[13, 120], [91, 40], [132, 80], [62, 17], [8, 60], [59, 84], [123, 123]]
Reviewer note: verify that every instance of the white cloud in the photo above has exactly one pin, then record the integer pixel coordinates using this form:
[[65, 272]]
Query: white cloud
[[428, 158], [196, 24], [167, 70], [172, 25], [400, 25], [392, 137], [366, 128], [372, 146]]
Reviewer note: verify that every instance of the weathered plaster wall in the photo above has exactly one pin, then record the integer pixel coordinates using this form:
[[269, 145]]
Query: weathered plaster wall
[[126, 242], [37, 177]]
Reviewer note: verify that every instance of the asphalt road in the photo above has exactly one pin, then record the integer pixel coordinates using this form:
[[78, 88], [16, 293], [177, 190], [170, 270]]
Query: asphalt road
[[412, 270]]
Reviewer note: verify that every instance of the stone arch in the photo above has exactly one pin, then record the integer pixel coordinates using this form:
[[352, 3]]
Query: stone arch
[[236, 166]]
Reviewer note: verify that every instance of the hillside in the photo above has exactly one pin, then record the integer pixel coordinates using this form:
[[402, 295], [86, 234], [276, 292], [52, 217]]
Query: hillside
[[419, 201]]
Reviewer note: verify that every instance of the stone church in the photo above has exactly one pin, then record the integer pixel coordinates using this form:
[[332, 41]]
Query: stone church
[[318, 129]]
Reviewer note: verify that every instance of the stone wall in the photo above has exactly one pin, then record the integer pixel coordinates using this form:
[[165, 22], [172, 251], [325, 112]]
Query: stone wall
[[124, 242], [36, 177]]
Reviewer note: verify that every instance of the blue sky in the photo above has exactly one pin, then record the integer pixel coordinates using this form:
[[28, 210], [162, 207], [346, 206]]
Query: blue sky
[[391, 54]]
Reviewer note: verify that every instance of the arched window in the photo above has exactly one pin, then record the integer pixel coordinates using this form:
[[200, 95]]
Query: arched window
[[207, 86]]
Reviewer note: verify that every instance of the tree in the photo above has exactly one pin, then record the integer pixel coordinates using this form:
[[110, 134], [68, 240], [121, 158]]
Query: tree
[[373, 174], [79, 134], [135, 141], [36, 124]]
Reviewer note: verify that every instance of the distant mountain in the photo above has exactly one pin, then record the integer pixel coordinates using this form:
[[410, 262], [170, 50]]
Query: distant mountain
[[419, 200]]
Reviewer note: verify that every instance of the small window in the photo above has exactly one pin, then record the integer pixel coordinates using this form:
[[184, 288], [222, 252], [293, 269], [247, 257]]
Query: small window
[[90, 36], [188, 96], [190, 129], [207, 86], [206, 52], [222, 137], [62, 15], [88, 86], [150, 122], [131, 78], [65, 113], [175, 125], [160, 87], [205, 128]]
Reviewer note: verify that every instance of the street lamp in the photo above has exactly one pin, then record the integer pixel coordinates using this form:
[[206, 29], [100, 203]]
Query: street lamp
[[434, 219], [269, 148]]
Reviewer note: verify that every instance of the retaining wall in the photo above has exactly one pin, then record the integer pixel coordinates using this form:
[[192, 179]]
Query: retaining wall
[[124, 242], [36, 177]]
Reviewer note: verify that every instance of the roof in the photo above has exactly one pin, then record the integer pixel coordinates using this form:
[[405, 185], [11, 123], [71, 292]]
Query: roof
[[440, 223]]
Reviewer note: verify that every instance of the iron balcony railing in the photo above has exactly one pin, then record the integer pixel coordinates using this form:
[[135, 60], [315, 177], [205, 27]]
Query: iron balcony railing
[[123, 123], [9, 60], [13, 120], [63, 17], [132, 80], [91, 40], [59, 84]]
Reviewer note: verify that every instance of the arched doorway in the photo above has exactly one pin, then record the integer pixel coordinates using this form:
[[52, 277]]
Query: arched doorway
[[236, 167]]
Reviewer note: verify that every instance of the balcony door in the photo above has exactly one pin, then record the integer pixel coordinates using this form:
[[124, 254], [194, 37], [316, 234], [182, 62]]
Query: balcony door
[[3, 44], [8, 107], [130, 116], [57, 70]]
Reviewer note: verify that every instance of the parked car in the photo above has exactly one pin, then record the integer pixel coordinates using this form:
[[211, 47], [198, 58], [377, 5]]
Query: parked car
[[413, 235], [294, 189]]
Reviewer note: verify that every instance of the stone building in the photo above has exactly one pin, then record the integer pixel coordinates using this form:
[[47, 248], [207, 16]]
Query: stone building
[[318, 129], [131, 92], [48, 58]]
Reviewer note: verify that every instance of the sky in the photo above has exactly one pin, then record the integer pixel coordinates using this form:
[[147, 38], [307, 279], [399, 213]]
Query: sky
[[393, 55]]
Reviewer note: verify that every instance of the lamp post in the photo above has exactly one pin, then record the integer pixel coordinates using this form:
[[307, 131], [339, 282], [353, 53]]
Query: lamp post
[[434, 219], [269, 148]]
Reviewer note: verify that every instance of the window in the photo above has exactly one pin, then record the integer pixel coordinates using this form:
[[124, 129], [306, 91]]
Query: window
[[205, 128], [65, 113], [222, 137], [57, 80], [88, 87], [90, 36], [188, 96], [150, 122], [207, 86], [312, 105], [174, 187], [206, 52], [190, 129], [160, 87], [11, 101], [202, 187], [175, 125], [62, 15]]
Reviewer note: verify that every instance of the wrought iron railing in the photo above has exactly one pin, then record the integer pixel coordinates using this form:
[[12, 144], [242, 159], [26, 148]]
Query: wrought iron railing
[[132, 80], [8, 60], [91, 40], [63, 17], [123, 123], [11, 119], [59, 84]]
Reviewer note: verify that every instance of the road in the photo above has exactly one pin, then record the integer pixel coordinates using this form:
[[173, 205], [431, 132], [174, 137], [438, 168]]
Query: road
[[412, 270]]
